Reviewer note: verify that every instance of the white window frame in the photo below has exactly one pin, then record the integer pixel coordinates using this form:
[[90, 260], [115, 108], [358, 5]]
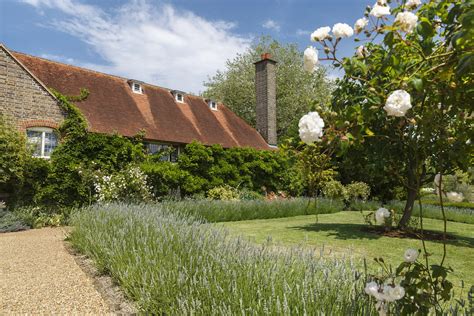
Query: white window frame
[[213, 105], [177, 95], [140, 89], [43, 131]]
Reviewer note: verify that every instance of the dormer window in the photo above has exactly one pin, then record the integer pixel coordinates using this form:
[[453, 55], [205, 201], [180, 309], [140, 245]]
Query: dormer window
[[178, 96], [136, 86], [212, 105]]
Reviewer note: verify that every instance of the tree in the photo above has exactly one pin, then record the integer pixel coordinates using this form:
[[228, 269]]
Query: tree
[[297, 90], [406, 100]]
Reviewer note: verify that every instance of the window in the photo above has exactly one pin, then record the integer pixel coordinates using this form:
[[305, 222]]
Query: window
[[136, 87], [213, 105], [179, 97], [42, 141], [166, 152]]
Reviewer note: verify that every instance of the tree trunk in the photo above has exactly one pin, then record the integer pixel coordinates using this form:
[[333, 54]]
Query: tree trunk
[[411, 198]]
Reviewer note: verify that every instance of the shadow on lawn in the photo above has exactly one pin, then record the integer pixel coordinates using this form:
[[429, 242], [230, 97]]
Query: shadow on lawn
[[358, 231]]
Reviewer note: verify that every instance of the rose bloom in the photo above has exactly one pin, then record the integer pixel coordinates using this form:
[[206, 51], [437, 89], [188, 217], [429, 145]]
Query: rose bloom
[[380, 10], [407, 21], [320, 34], [311, 127], [393, 293], [310, 59], [413, 3], [411, 255], [398, 103], [381, 214], [372, 288], [341, 30], [360, 24], [361, 51]]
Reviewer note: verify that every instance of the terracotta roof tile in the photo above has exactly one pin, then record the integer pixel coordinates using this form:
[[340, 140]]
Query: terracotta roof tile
[[113, 107]]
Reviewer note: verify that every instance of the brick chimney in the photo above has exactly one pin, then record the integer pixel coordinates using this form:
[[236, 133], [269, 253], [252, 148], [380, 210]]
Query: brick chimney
[[265, 88]]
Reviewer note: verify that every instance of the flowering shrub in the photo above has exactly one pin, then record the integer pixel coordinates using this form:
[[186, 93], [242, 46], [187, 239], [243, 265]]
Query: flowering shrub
[[334, 190], [224, 192], [127, 185]]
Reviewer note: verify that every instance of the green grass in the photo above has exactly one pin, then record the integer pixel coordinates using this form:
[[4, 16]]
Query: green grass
[[172, 264], [340, 234]]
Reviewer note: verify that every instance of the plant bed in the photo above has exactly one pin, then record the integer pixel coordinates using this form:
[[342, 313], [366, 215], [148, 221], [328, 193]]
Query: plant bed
[[412, 234]]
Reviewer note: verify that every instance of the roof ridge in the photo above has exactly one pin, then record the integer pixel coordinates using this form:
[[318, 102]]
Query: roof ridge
[[101, 73]]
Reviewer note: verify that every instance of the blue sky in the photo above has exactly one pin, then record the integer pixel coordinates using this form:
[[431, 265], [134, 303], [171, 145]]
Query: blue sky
[[175, 44]]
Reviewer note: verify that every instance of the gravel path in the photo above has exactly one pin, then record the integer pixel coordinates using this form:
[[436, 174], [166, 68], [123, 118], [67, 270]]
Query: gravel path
[[38, 275]]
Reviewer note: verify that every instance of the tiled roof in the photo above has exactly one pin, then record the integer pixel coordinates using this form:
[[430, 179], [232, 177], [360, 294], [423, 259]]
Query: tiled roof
[[112, 107]]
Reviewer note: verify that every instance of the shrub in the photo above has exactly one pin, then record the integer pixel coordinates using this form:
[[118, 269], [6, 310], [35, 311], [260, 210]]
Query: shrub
[[174, 265], [358, 190], [128, 185], [37, 217], [224, 192], [334, 190], [165, 178], [12, 157], [10, 222]]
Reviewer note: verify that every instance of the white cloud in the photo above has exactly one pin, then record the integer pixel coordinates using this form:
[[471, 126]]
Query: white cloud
[[300, 32], [271, 25], [60, 58], [153, 43]]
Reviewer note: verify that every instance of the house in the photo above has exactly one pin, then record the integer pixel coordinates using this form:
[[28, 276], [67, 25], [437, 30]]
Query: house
[[126, 106]]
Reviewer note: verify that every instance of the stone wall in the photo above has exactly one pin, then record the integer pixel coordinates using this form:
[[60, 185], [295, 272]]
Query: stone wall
[[24, 101]]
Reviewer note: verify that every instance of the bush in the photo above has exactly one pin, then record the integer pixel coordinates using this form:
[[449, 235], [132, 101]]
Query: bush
[[10, 222], [224, 192], [334, 190], [129, 184], [357, 191], [174, 265], [37, 217], [165, 178]]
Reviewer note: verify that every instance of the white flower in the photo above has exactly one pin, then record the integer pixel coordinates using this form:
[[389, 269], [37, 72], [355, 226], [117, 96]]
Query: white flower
[[311, 127], [394, 293], [342, 30], [372, 288], [407, 21], [455, 196], [380, 10], [361, 51], [310, 59], [411, 255], [413, 3], [382, 2], [398, 102], [360, 24], [380, 215], [320, 34]]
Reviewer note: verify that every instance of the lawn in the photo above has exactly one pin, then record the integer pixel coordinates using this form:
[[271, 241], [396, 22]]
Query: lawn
[[341, 234]]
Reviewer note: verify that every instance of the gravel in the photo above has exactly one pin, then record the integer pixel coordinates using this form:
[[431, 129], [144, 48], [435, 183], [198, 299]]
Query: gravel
[[39, 276]]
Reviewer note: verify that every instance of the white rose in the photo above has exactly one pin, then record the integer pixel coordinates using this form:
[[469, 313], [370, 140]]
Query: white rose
[[361, 52], [455, 196], [411, 255], [398, 102], [407, 21], [380, 215], [372, 288], [360, 24], [380, 10], [392, 294], [310, 59], [342, 30], [320, 34], [413, 3], [311, 127]]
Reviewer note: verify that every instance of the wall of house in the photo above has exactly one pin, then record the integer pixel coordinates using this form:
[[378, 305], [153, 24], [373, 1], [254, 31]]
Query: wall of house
[[24, 101]]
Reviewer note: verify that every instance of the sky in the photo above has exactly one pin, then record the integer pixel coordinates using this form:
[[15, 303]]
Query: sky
[[175, 44]]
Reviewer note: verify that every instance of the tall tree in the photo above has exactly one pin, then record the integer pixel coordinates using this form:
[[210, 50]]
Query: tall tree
[[297, 90]]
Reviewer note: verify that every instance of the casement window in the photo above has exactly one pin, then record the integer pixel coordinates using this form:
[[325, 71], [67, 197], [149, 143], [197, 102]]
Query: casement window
[[212, 105], [166, 152], [41, 141], [136, 87], [179, 97]]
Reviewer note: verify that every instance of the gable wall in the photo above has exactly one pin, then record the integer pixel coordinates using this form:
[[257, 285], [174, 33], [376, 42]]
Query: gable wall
[[23, 101]]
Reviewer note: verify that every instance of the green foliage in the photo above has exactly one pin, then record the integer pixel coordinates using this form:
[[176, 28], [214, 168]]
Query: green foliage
[[175, 265], [334, 190], [357, 191], [38, 217], [10, 222], [12, 157], [247, 168], [164, 177], [297, 90]]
